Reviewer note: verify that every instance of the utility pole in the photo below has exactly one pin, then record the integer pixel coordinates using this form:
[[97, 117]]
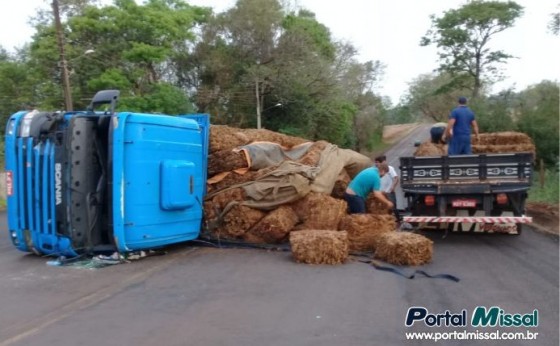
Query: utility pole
[[63, 63], [258, 103]]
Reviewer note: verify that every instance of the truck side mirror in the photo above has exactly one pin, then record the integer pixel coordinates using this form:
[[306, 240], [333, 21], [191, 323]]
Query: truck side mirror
[[105, 97]]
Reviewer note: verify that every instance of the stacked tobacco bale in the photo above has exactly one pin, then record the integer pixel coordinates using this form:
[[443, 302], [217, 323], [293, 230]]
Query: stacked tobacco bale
[[503, 142], [364, 230], [316, 223], [319, 246], [430, 149], [487, 143], [403, 248]]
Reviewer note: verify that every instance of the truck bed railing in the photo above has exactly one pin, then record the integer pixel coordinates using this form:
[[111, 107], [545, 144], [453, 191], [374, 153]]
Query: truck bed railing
[[467, 167]]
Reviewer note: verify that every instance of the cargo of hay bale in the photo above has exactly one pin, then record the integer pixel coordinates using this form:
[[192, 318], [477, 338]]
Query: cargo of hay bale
[[364, 230], [264, 135], [221, 199], [319, 211], [224, 137], [404, 248], [225, 161], [238, 220], [376, 207], [430, 149], [487, 143], [313, 155], [340, 185], [319, 246], [501, 138], [275, 226], [502, 142]]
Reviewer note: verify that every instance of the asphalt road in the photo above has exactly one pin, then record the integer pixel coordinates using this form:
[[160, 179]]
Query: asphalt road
[[218, 296]]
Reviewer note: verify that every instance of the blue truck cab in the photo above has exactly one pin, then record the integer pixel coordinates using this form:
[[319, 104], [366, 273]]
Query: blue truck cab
[[91, 181]]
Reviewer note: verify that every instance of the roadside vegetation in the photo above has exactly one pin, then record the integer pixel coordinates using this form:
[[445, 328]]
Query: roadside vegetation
[[549, 192]]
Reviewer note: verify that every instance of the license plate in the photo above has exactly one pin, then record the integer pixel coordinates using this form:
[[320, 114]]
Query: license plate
[[465, 203]]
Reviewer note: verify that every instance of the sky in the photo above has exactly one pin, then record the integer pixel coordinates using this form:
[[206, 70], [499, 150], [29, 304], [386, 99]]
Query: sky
[[388, 31]]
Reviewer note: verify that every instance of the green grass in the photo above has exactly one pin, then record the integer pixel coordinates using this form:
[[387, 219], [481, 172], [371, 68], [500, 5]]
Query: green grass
[[2, 204], [549, 193]]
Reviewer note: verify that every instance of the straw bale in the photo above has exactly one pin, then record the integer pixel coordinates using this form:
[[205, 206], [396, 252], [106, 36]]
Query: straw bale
[[364, 230], [274, 227], [404, 248], [313, 155], [503, 148], [320, 211], [239, 220], [375, 206], [501, 138], [264, 135], [430, 149], [340, 185], [224, 137], [223, 198], [319, 246], [252, 238], [225, 161], [210, 211]]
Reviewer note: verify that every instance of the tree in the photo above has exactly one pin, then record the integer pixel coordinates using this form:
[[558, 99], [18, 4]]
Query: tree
[[134, 49], [433, 96], [17, 91], [463, 36], [496, 112], [554, 23], [538, 117], [287, 58]]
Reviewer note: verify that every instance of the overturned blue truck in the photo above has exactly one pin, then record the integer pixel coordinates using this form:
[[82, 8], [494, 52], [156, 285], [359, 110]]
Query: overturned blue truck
[[99, 180]]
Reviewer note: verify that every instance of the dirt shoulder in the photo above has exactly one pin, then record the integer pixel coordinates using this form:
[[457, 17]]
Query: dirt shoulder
[[545, 216], [393, 133]]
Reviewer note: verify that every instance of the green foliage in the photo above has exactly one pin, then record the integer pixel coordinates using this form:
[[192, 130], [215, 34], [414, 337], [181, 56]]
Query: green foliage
[[256, 48], [538, 117], [134, 50], [549, 192], [400, 114], [163, 98], [318, 35], [434, 95], [495, 113], [463, 35], [554, 23]]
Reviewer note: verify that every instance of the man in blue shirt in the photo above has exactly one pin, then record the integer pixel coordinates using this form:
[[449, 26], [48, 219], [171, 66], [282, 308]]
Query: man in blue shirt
[[459, 129], [360, 187]]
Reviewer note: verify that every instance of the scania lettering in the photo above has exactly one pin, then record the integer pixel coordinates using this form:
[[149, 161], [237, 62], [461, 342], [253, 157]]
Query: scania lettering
[[58, 182]]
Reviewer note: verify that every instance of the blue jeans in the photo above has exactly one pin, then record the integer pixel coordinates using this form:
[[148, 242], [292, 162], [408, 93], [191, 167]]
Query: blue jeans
[[356, 204], [460, 145]]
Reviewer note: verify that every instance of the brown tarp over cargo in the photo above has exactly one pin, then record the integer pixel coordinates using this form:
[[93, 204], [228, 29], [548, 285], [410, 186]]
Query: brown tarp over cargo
[[291, 181]]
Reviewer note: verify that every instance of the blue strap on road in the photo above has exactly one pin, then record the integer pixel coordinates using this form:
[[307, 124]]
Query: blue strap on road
[[380, 266]]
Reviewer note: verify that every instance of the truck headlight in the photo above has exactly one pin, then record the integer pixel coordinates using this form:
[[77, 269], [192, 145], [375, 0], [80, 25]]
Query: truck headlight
[[11, 127], [26, 124]]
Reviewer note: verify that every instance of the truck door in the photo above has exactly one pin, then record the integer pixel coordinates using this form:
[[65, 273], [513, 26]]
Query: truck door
[[158, 179]]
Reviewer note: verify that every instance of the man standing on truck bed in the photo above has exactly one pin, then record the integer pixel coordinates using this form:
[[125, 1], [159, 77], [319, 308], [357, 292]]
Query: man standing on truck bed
[[459, 129], [360, 187]]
